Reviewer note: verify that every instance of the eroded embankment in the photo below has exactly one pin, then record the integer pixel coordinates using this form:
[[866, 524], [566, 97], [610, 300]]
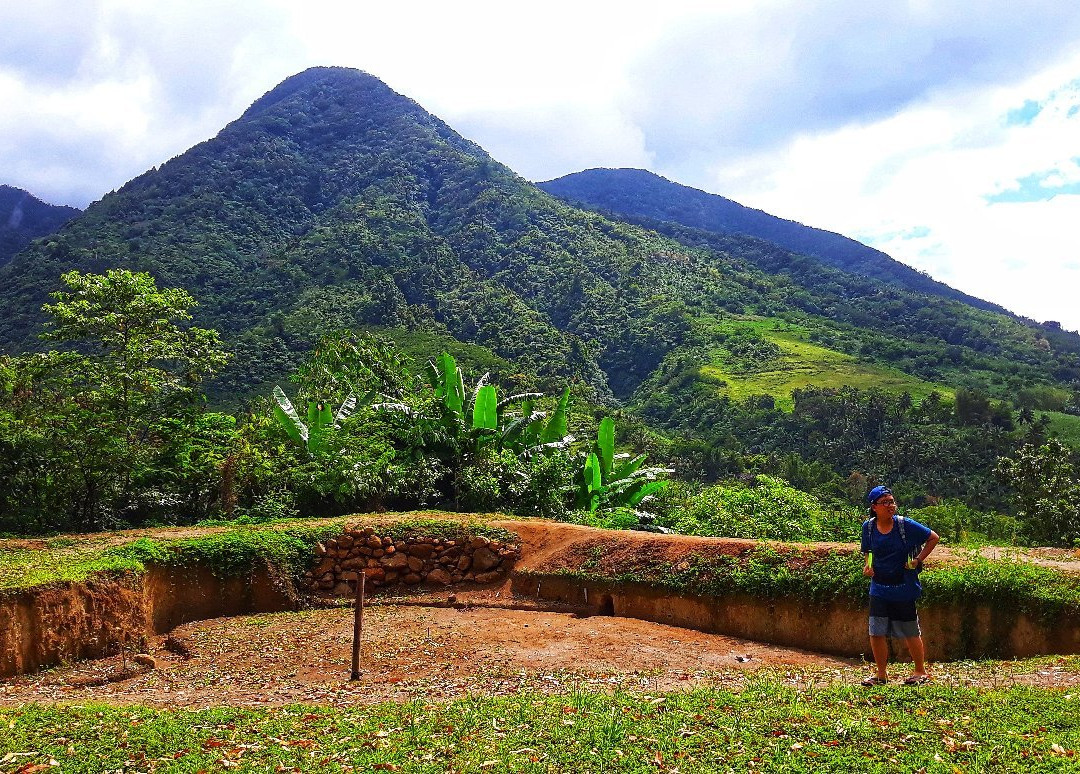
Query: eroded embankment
[[808, 596], [98, 617]]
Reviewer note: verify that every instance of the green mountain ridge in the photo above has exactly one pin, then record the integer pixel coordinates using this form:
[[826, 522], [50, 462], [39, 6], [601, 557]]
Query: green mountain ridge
[[640, 193], [24, 218], [335, 202]]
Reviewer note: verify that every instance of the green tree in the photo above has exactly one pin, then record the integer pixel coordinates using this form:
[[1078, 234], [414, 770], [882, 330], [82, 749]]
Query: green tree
[[1046, 482], [116, 422]]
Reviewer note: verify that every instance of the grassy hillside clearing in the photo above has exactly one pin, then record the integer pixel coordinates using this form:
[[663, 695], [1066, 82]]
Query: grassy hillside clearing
[[1064, 426], [804, 364]]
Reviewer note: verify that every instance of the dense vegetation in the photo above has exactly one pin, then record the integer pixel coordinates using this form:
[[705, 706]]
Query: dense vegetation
[[339, 233], [24, 218], [640, 193]]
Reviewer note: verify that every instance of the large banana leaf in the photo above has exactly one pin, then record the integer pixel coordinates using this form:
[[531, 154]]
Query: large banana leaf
[[485, 409], [286, 414], [605, 446], [628, 468], [319, 419], [557, 427], [593, 483], [644, 489]]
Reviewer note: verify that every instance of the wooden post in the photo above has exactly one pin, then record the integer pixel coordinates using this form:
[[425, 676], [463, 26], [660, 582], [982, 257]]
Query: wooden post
[[358, 624]]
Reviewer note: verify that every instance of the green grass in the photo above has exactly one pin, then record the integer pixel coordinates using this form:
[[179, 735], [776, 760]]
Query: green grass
[[803, 364], [1065, 426], [59, 561], [768, 726]]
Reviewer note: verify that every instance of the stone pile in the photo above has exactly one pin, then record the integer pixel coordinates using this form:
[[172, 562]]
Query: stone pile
[[416, 559]]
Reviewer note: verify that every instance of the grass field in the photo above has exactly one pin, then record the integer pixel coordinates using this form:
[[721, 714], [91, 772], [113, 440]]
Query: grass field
[[803, 364], [1064, 426], [769, 725]]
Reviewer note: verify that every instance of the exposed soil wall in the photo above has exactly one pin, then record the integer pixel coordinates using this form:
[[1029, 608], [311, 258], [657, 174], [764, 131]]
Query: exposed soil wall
[[71, 621], [839, 628], [951, 631]]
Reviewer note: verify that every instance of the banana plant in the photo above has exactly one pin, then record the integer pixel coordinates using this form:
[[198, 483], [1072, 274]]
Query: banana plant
[[487, 419], [312, 435], [609, 480]]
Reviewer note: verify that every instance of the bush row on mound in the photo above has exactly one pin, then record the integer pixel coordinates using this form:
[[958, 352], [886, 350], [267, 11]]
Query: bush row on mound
[[776, 571], [410, 559]]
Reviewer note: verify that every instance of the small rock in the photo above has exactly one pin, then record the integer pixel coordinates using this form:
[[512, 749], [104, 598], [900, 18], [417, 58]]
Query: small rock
[[488, 577], [440, 576], [412, 578], [421, 550], [343, 590], [378, 552], [374, 541], [483, 559], [389, 549], [464, 563], [479, 542], [416, 564], [394, 561], [345, 541], [387, 541], [145, 659], [320, 549]]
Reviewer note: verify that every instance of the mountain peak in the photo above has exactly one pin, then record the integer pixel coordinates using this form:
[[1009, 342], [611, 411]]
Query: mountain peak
[[315, 78]]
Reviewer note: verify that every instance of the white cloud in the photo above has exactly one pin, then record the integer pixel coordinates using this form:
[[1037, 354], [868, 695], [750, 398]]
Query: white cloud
[[874, 118]]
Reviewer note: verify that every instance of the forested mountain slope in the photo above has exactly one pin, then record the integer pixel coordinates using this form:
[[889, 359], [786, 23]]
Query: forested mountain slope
[[24, 218], [335, 202], [638, 192]]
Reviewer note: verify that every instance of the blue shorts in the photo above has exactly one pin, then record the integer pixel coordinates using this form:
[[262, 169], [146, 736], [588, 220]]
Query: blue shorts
[[893, 619]]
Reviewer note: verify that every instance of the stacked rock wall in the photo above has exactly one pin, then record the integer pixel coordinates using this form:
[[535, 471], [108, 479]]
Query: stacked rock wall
[[414, 559]]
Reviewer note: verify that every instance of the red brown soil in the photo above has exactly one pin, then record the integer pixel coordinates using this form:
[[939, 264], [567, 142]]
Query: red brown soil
[[414, 647], [421, 647]]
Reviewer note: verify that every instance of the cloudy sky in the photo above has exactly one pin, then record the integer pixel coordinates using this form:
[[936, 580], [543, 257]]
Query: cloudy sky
[[943, 132]]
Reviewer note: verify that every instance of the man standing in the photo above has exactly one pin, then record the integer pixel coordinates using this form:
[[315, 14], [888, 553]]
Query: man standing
[[894, 549]]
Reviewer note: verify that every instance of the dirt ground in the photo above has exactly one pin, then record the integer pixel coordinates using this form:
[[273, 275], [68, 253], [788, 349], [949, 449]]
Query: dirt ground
[[433, 649]]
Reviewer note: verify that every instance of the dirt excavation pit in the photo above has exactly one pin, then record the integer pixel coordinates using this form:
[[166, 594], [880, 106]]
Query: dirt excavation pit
[[428, 649], [411, 651]]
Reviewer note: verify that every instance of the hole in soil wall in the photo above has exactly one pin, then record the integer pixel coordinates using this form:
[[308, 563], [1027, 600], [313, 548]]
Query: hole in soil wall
[[607, 605]]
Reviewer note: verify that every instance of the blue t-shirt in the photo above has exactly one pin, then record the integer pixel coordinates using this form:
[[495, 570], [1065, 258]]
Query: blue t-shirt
[[890, 552]]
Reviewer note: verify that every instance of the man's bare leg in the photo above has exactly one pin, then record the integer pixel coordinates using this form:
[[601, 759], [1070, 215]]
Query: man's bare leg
[[880, 647], [917, 650]]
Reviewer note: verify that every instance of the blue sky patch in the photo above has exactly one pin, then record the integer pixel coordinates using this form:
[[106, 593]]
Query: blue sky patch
[[1023, 115], [1034, 188]]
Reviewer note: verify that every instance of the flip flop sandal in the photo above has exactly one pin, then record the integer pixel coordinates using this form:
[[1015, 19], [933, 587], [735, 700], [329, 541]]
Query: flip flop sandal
[[870, 682], [917, 680]]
